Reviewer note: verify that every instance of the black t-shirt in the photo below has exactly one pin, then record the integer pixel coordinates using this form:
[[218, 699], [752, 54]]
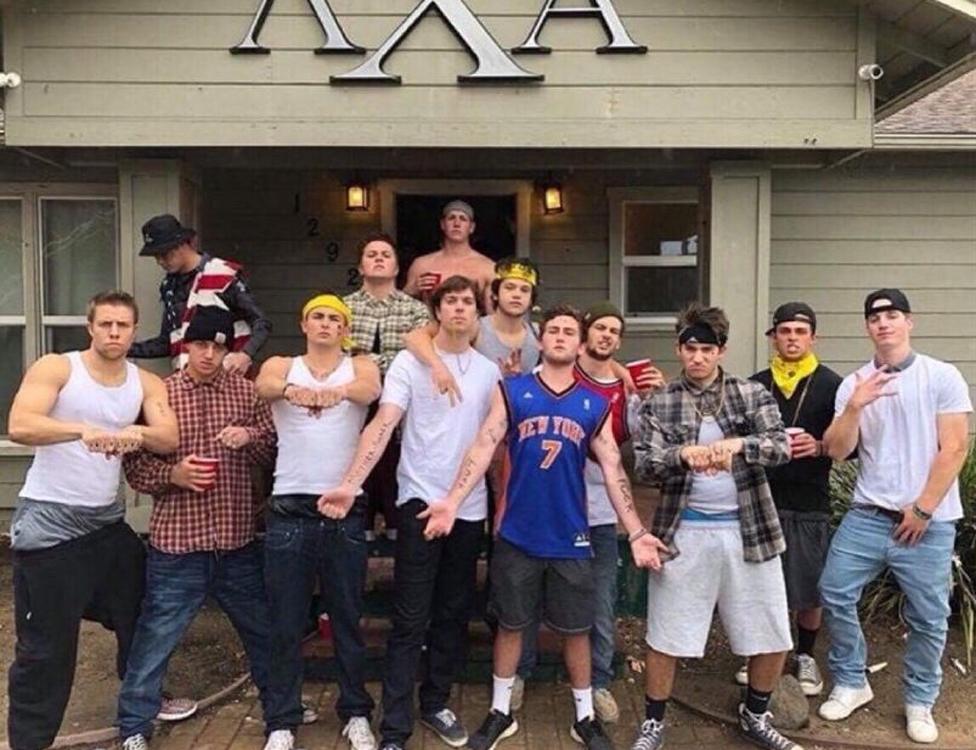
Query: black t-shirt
[[804, 484]]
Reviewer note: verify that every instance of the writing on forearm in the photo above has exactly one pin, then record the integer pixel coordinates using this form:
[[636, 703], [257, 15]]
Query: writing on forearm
[[369, 454]]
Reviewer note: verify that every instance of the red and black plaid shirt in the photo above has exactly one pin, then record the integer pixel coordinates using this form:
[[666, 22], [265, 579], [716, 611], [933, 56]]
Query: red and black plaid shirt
[[221, 518]]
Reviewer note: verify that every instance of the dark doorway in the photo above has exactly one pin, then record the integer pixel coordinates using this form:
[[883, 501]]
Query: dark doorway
[[418, 225]]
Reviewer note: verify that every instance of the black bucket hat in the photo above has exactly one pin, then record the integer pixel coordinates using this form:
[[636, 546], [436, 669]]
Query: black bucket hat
[[162, 233]]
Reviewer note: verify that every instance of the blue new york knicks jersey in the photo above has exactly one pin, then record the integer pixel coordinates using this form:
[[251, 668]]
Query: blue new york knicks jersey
[[548, 441]]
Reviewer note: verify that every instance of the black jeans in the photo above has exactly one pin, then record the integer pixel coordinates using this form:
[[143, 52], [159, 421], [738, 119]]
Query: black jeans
[[434, 586], [98, 576], [298, 550]]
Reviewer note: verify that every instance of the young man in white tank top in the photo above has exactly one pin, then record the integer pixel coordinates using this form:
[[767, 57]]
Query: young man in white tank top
[[73, 553], [434, 578], [202, 529], [318, 403]]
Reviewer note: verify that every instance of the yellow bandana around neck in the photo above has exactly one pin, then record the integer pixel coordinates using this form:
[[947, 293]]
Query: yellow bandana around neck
[[333, 302], [518, 271], [787, 375]]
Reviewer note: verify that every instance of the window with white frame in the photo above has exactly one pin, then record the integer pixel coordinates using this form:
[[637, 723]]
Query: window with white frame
[[656, 251], [58, 247]]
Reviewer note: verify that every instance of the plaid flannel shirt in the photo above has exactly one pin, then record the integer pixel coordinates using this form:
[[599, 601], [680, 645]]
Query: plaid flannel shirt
[[668, 422], [222, 518], [393, 317]]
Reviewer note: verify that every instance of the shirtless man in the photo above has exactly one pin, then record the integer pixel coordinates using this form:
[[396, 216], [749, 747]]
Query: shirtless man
[[455, 258], [73, 553]]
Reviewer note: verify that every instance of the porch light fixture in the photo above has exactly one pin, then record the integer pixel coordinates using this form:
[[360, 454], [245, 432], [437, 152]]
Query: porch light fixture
[[552, 198], [357, 197]]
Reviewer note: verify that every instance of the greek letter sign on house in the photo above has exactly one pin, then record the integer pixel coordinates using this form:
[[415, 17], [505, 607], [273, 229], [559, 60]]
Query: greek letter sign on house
[[493, 64]]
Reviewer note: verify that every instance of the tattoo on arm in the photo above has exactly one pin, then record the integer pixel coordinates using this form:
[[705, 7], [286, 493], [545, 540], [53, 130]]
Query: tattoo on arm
[[373, 451]]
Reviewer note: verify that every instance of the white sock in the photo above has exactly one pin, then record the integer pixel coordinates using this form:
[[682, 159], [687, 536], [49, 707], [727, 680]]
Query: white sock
[[501, 693], [584, 703]]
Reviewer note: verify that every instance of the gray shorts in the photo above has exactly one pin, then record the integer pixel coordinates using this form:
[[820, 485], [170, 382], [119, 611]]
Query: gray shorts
[[710, 572], [525, 589], [807, 537]]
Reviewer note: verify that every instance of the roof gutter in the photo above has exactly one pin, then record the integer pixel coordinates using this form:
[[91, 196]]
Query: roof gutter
[[924, 142]]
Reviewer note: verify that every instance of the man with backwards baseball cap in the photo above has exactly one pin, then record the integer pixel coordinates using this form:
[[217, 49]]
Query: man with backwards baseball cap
[[804, 390], [907, 414], [456, 257], [202, 534], [197, 279]]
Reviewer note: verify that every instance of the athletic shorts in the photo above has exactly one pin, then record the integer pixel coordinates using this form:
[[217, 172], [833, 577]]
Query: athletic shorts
[[710, 572], [807, 537], [526, 589]]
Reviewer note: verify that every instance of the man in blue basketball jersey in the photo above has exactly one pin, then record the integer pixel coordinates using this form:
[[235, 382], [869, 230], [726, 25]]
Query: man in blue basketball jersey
[[542, 560]]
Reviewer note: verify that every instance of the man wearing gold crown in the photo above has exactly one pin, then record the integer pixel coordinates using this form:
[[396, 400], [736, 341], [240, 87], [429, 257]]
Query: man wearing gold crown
[[318, 403]]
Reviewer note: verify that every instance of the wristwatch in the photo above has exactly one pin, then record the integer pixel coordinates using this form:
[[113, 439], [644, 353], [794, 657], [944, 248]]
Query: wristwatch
[[919, 513]]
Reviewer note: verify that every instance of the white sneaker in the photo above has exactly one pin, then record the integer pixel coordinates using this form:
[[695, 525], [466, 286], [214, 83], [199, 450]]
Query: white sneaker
[[280, 739], [808, 675], [844, 701], [605, 706], [135, 742], [921, 726], [518, 694], [741, 676], [359, 734]]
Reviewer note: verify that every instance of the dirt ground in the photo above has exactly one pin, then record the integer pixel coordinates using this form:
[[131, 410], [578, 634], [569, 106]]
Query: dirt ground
[[708, 683], [210, 657]]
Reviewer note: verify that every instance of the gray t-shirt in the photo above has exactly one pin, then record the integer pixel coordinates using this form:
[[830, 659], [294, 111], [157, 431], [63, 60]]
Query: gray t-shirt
[[40, 524], [492, 347]]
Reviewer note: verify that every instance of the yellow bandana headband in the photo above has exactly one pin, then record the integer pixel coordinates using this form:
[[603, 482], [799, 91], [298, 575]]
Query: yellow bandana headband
[[518, 271], [332, 302]]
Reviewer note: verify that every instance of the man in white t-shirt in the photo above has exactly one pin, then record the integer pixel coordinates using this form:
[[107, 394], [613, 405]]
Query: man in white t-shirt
[[907, 415], [434, 577]]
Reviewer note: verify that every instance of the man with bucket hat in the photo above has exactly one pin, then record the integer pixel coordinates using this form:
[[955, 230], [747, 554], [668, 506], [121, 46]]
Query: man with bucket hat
[[197, 279]]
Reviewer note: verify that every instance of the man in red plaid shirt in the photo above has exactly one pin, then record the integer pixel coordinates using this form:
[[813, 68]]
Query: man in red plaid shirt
[[202, 529]]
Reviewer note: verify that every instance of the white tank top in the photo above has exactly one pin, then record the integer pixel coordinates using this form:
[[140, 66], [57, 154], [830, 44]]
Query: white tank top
[[315, 452], [68, 472]]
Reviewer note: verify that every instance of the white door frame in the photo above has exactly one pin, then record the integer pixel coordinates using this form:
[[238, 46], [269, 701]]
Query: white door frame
[[523, 190]]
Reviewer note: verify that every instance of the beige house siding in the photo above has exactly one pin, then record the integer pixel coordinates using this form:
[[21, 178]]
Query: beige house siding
[[838, 234], [737, 73]]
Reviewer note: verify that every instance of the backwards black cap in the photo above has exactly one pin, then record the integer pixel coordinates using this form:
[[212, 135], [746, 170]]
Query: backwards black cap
[[884, 300], [799, 312]]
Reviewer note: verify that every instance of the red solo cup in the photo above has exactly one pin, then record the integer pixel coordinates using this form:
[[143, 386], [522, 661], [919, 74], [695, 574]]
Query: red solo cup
[[325, 627], [794, 432], [638, 367], [434, 279], [211, 465]]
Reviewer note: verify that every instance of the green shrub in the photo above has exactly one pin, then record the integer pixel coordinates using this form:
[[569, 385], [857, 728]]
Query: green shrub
[[883, 598]]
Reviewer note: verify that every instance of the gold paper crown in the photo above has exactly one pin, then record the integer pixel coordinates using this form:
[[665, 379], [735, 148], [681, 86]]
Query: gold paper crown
[[518, 271]]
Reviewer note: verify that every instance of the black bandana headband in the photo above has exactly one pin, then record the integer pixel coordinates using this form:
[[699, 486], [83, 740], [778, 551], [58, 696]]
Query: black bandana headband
[[699, 333]]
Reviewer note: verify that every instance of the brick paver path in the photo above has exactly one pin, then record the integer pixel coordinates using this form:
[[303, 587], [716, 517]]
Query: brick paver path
[[544, 723]]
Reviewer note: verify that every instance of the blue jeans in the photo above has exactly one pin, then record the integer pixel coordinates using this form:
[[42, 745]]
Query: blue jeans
[[861, 549], [300, 551], [603, 636], [176, 588]]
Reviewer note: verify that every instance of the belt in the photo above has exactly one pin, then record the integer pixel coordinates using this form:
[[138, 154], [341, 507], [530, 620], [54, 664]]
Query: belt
[[895, 516]]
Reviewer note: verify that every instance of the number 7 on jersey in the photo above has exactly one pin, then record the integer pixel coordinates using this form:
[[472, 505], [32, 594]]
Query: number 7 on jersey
[[552, 448]]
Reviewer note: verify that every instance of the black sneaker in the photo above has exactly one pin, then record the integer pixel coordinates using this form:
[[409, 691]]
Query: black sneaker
[[446, 725], [650, 736], [759, 730], [589, 733], [493, 729]]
